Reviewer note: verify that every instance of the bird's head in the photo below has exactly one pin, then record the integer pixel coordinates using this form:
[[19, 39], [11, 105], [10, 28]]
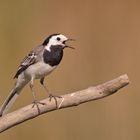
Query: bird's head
[[57, 40]]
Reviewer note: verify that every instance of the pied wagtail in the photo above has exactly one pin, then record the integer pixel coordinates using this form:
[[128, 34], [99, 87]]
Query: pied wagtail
[[40, 62]]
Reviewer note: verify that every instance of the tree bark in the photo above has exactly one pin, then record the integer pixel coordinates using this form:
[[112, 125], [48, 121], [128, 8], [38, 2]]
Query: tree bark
[[68, 100]]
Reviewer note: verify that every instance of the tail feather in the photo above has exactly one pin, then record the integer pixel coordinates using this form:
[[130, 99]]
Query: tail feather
[[12, 96], [9, 102]]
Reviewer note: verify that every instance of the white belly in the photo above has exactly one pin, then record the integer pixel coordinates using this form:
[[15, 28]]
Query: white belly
[[38, 70]]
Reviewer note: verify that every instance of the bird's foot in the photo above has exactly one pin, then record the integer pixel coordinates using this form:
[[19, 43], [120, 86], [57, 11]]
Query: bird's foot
[[35, 103], [55, 98]]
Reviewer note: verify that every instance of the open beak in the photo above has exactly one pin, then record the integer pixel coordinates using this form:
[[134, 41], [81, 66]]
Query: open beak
[[67, 46]]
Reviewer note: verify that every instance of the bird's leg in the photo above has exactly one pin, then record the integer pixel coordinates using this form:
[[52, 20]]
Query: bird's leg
[[35, 102], [50, 95], [42, 83]]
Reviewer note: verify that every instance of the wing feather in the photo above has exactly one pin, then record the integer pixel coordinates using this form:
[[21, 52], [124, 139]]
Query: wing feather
[[30, 59]]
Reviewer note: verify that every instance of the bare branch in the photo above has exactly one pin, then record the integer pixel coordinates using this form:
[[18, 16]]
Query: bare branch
[[68, 100]]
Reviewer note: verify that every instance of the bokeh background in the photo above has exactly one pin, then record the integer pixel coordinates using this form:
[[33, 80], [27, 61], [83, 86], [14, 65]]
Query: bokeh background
[[107, 45]]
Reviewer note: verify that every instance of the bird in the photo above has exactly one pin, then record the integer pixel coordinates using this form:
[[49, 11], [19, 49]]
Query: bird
[[39, 63]]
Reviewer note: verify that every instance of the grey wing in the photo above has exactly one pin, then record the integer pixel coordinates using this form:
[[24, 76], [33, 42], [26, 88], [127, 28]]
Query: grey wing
[[30, 59]]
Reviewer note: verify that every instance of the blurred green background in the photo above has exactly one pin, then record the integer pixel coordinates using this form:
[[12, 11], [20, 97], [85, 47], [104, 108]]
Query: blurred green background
[[107, 45]]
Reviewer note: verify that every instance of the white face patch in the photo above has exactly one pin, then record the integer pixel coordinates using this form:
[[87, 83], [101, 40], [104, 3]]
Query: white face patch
[[56, 40]]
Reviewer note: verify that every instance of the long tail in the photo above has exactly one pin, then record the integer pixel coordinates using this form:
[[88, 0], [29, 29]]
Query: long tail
[[11, 99]]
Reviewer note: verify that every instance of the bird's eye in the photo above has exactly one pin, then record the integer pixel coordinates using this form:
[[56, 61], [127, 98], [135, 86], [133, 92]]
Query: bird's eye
[[58, 38]]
